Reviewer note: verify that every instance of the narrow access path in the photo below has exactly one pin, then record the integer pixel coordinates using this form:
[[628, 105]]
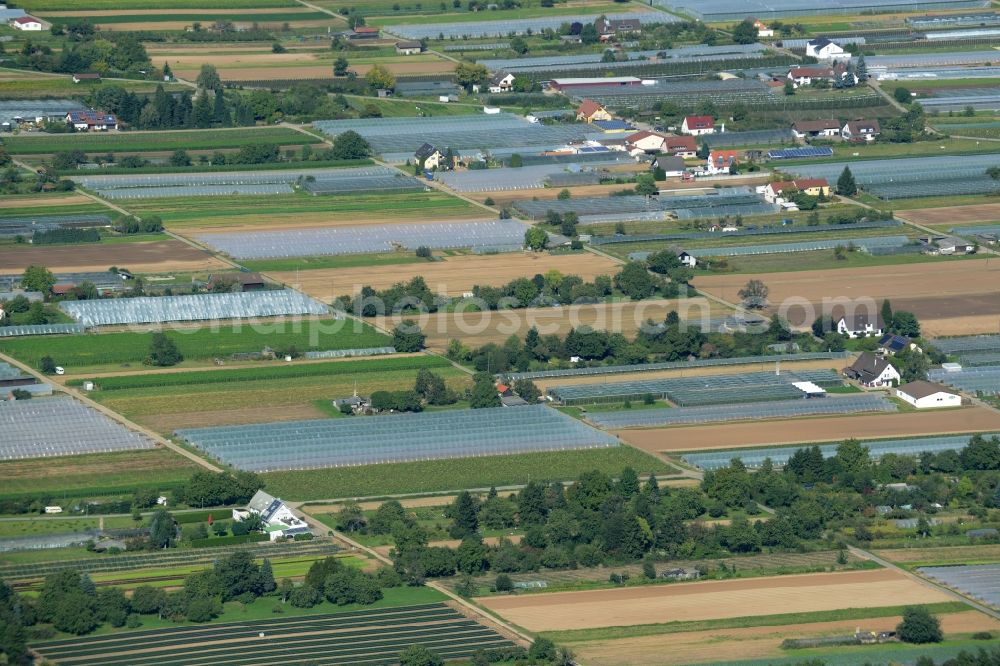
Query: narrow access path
[[131, 425], [867, 555]]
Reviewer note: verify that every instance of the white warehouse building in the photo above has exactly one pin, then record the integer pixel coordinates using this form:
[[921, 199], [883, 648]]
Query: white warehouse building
[[925, 395]]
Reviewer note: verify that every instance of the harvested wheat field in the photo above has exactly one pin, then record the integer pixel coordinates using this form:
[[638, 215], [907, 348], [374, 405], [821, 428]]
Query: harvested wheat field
[[932, 291], [151, 257], [707, 600], [820, 429], [478, 328], [692, 647], [48, 201], [952, 214], [944, 554], [209, 9], [261, 414], [182, 25], [453, 276]]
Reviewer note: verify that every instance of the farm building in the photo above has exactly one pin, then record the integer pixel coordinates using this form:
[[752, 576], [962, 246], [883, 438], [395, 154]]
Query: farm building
[[236, 282], [811, 129], [860, 325], [722, 161], [364, 32], [91, 120], [570, 84], [501, 82], [408, 48], [672, 166], [860, 130], [823, 49], [698, 125], [26, 23], [680, 146], [429, 156], [86, 76], [279, 521], [872, 371], [644, 142], [589, 111], [954, 246], [924, 395]]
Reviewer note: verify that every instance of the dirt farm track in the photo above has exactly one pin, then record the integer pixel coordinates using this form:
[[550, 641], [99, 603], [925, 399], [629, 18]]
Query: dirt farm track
[[822, 429], [151, 257], [706, 600]]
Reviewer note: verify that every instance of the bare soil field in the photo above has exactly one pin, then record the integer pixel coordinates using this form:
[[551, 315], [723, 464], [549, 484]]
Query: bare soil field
[[949, 554], [479, 328], [706, 600], [747, 643], [170, 422], [181, 25], [22, 202], [452, 276], [155, 256], [952, 214], [820, 429], [789, 366], [933, 292]]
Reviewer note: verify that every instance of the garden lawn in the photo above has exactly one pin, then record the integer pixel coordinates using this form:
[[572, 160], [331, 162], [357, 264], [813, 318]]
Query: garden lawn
[[457, 473]]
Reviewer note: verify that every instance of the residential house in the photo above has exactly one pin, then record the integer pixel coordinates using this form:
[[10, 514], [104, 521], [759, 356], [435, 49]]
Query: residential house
[[408, 48], [814, 187], [680, 146], [429, 156], [673, 167], [813, 129], [236, 282], [860, 325], [89, 76], [762, 29], [687, 259], [872, 371], [698, 125], [809, 74], [91, 120], [589, 111], [356, 403], [860, 130], [891, 344], [644, 142], [279, 520], [608, 29], [823, 49], [26, 23], [501, 82], [722, 161], [924, 395]]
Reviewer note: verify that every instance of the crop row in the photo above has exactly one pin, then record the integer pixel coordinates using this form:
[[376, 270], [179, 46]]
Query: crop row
[[163, 559], [208, 17], [267, 373], [119, 348], [656, 68], [121, 5], [152, 141]]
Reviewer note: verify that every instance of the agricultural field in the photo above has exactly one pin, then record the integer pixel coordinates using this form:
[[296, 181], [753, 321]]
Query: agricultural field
[[113, 352], [18, 204], [95, 474], [941, 295], [708, 600], [452, 275], [29, 144], [819, 429], [442, 475], [119, 5], [948, 216], [158, 256], [18, 86], [941, 555], [165, 402]]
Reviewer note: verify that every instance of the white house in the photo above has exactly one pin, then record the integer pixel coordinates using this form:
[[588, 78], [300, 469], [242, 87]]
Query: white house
[[698, 125], [860, 325], [762, 29], [644, 143], [408, 47], [687, 259], [279, 521], [501, 82], [91, 120], [861, 130], [823, 49], [808, 129], [872, 371], [429, 156], [722, 161], [26, 23], [925, 395]]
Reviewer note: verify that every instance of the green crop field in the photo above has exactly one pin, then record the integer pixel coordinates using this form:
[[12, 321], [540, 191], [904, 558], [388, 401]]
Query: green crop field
[[150, 141], [76, 5], [331, 261], [31, 527], [63, 86], [457, 473], [88, 353], [94, 474], [271, 211], [497, 14], [209, 17]]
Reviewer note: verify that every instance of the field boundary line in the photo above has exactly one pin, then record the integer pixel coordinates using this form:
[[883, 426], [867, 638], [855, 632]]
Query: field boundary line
[[115, 416], [864, 554]]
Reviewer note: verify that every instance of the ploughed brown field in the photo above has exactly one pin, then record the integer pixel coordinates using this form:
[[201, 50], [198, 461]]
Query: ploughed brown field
[[453, 276], [818, 429], [707, 600], [53, 200], [146, 257], [952, 298], [952, 214], [710, 646]]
